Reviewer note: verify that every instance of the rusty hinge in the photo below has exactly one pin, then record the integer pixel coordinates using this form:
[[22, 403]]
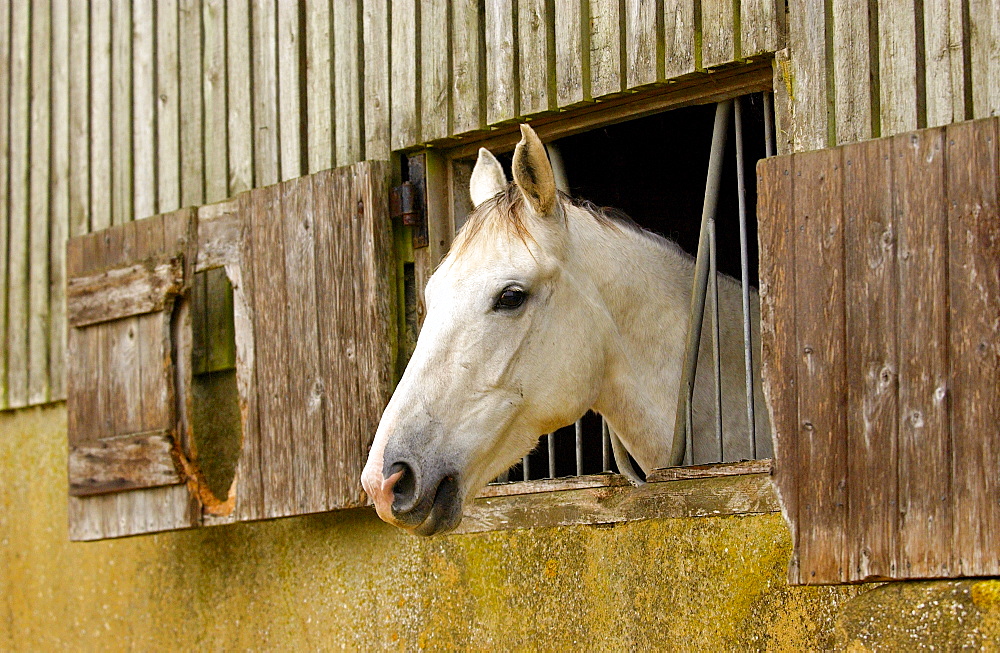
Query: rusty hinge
[[408, 201]]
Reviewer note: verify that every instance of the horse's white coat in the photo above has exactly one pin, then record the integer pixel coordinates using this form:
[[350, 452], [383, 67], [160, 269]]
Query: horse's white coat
[[603, 327]]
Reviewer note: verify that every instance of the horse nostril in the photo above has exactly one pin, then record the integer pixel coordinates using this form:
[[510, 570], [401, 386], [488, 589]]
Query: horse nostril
[[405, 490]]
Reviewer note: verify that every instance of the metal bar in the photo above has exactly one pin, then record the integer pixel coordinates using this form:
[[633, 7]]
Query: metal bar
[[688, 429], [605, 446], [713, 286], [525, 469], [768, 123], [551, 437], [700, 282], [745, 272], [579, 447]]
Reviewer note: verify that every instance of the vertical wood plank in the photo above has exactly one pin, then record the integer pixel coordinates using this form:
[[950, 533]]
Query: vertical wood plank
[[872, 367], [38, 235], [605, 48], [219, 321], [319, 84], [467, 49], [155, 369], [79, 125], [5, 160], [59, 198], [902, 101], [168, 154], [944, 45], [924, 443], [18, 243], [571, 54], [984, 41], [759, 28], [680, 50], [121, 111], [435, 69], [265, 93], [375, 36], [852, 70], [974, 343], [405, 72], [718, 35], [533, 56], [502, 77], [271, 334], [248, 480], [641, 43], [347, 68], [808, 96], [100, 114], [192, 122], [305, 383], [819, 244], [144, 111], [776, 231], [289, 93], [238, 69], [214, 93]]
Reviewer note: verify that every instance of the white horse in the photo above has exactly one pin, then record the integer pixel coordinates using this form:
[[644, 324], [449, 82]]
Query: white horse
[[545, 308]]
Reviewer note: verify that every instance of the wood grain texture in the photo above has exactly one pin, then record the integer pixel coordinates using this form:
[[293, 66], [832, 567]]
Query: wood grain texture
[[718, 32], [215, 96], [319, 84], [347, 94], [872, 364], [404, 71], [572, 53], [974, 343], [467, 74], [121, 111], [192, 109], [79, 121], [123, 292], [502, 79], [122, 464], [924, 442], [375, 37], [533, 56], [289, 93], [143, 109], [680, 50], [168, 116], [131, 513], [779, 371], [606, 65], [435, 70], [642, 48], [5, 57], [760, 29], [265, 93], [808, 96], [239, 79], [852, 70], [984, 46], [944, 69], [901, 101], [59, 223]]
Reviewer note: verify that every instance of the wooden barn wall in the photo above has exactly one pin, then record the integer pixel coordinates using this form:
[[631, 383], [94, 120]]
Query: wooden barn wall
[[113, 110]]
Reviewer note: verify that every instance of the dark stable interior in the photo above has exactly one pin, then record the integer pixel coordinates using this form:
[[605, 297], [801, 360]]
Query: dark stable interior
[[654, 169]]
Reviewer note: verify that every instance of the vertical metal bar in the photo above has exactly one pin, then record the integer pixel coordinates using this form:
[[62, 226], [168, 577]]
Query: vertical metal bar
[[551, 437], [713, 286], [689, 429], [768, 123], [745, 278], [525, 468], [605, 446], [579, 447], [700, 282]]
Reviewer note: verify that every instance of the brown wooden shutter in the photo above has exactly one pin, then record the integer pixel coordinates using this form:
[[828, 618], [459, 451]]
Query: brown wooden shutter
[[124, 441], [310, 262], [880, 288]]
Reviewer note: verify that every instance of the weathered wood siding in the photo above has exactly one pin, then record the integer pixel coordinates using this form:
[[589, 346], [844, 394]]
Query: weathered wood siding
[[115, 110], [882, 349]]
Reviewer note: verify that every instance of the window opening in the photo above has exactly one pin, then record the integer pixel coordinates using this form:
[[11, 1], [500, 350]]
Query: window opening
[[653, 170]]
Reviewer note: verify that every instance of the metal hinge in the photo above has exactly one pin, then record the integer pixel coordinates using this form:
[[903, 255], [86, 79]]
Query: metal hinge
[[408, 201]]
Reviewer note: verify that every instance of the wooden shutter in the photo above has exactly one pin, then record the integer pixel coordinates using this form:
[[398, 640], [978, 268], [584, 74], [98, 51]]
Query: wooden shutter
[[125, 476], [310, 262], [880, 288]]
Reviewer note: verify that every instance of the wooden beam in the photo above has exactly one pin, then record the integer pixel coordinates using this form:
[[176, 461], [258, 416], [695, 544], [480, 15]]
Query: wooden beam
[[127, 463], [123, 292]]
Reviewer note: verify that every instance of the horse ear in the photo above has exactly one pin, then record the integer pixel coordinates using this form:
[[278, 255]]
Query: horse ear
[[487, 178], [533, 172]]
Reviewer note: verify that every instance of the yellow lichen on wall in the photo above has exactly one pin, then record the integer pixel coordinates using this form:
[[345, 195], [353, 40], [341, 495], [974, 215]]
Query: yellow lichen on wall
[[346, 580]]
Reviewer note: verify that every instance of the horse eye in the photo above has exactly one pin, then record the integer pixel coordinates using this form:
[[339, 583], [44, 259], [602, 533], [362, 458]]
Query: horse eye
[[511, 298]]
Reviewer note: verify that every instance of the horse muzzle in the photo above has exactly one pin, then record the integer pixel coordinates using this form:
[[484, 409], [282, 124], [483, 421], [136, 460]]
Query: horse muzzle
[[425, 502]]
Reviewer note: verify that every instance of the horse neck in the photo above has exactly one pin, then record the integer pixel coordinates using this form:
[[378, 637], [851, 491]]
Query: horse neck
[[645, 286]]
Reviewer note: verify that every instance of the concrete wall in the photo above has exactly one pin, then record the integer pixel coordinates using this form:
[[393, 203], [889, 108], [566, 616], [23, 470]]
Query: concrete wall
[[347, 580]]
